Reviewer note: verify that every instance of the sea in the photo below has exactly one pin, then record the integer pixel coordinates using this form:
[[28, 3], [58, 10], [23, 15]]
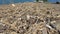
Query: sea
[[20, 1], [14, 1]]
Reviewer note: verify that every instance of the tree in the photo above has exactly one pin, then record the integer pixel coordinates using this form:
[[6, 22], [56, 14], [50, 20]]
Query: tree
[[57, 2], [45, 0], [37, 0], [41, 0]]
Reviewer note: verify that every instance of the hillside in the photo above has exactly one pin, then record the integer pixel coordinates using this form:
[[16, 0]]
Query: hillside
[[30, 18]]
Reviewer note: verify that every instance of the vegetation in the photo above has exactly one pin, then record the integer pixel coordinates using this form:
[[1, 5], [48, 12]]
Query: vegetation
[[45, 0], [41, 0], [37, 0], [57, 2]]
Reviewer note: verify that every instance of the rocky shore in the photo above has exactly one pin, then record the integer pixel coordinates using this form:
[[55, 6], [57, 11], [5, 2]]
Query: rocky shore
[[30, 18]]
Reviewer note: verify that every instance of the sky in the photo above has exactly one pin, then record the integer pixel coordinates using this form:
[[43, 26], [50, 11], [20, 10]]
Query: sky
[[16, 1]]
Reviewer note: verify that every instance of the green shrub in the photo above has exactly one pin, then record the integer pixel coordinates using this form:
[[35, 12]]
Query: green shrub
[[37, 0], [45, 0]]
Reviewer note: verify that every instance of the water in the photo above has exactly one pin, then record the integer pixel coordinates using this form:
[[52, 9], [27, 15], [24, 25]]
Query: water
[[17, 1], [14, 1], [53, 1]]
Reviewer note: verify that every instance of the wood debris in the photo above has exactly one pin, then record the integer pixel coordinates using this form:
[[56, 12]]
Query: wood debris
[[30, 18]]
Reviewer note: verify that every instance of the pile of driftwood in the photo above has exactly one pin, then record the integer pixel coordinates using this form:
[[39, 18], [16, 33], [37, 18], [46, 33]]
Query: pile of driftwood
[[30, 18], [45, 24]]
